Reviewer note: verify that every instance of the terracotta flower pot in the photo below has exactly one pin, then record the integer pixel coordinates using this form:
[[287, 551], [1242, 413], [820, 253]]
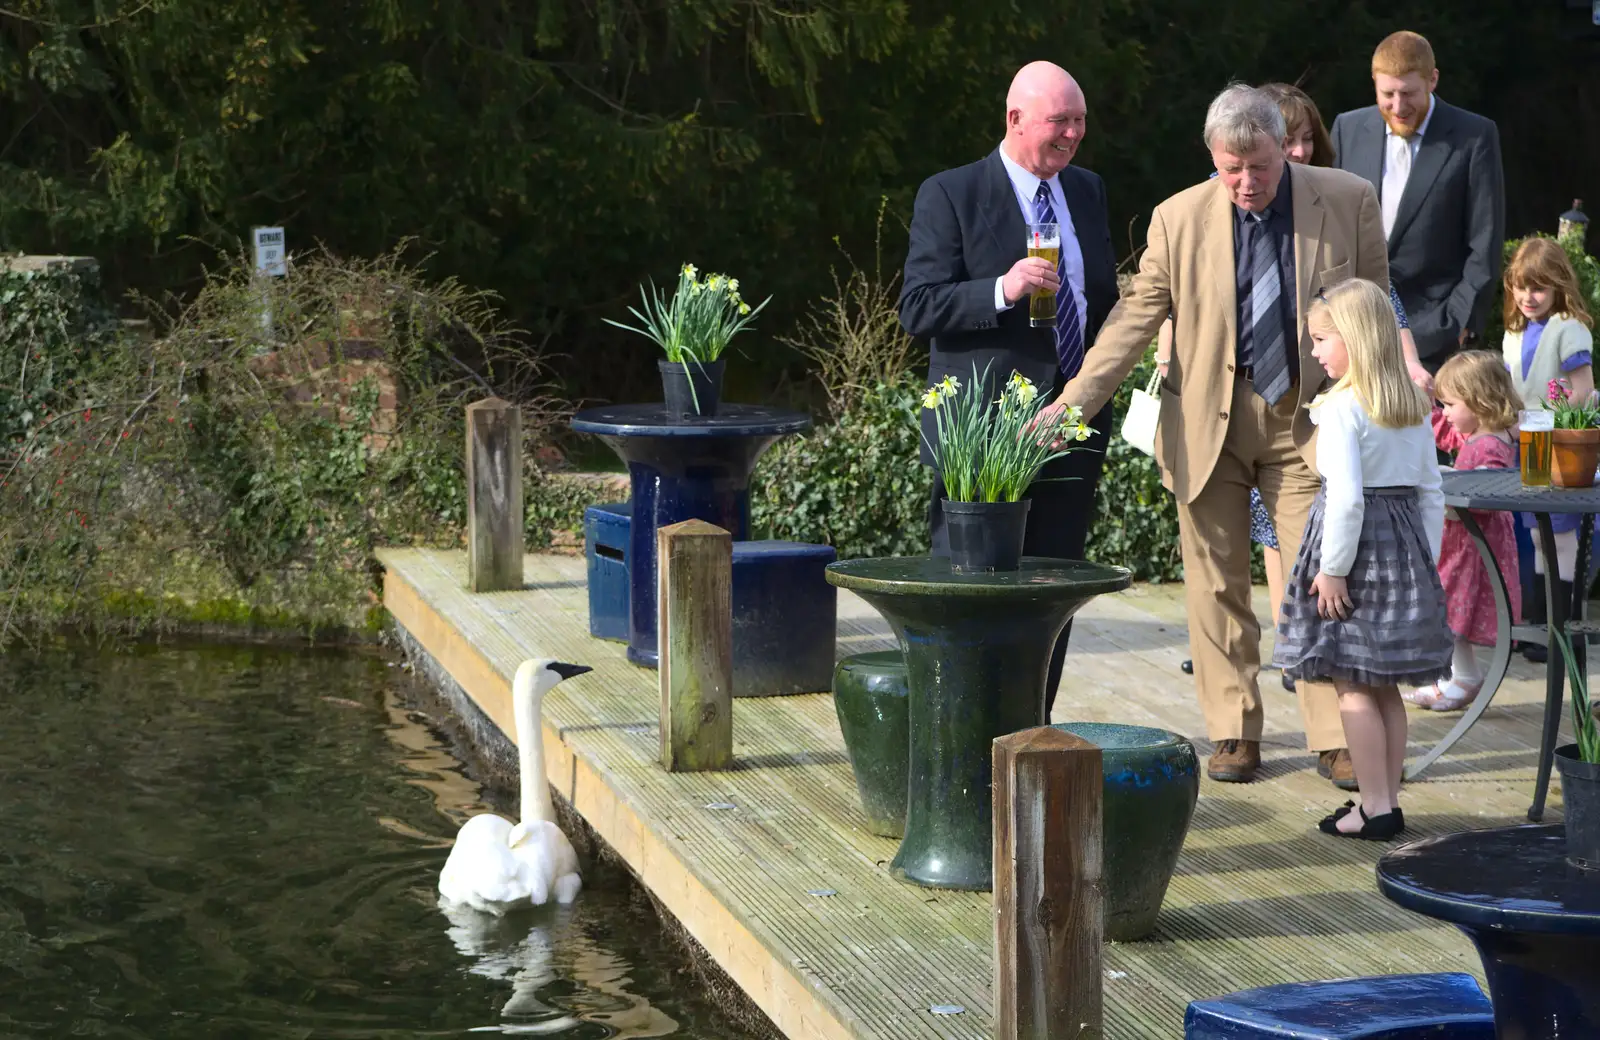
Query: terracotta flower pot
[[1573, 456]]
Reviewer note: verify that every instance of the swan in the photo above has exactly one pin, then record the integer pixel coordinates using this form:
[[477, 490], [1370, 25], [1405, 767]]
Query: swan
[[497, 865]]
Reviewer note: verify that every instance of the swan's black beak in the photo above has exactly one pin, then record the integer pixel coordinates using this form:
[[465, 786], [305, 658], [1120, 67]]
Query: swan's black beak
[[567, 671]]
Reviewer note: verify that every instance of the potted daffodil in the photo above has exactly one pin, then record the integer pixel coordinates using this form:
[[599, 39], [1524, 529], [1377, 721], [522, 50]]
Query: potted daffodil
[[693, 327], [988, 451]]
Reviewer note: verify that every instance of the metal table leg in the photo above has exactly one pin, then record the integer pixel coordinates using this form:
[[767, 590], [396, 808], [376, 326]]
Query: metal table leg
[[1502, 648], [1559, 613]]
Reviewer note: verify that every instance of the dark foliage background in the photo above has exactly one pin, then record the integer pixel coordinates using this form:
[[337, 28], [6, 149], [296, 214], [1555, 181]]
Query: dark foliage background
[[561, 151]]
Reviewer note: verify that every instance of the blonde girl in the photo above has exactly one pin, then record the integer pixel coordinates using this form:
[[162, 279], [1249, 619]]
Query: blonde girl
[[1478, 408], [1547, 338], [1363, 607]]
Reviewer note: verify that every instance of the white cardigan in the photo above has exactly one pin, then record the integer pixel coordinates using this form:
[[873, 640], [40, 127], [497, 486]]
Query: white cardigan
[[1562, 338], [1354, 454]]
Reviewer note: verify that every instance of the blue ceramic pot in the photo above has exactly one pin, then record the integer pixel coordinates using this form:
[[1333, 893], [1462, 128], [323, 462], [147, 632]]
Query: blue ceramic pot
[[1152, 780]]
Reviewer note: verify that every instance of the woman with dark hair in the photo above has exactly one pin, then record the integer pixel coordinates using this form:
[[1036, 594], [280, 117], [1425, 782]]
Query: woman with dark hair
[[1305, 139]]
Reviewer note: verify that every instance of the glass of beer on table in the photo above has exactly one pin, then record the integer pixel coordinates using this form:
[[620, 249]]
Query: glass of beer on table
[[1538, 426], [1044, 240]]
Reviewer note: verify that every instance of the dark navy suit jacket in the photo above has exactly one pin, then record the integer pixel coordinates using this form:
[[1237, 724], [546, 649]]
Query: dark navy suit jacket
[[967, 230], [1444, 249]]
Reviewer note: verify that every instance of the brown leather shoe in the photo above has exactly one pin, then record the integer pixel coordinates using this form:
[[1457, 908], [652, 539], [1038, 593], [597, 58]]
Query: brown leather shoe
[[1235, 761], [1336, 766]]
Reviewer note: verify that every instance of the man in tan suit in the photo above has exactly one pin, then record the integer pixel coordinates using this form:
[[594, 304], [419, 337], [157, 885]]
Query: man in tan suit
[[1237, 261]]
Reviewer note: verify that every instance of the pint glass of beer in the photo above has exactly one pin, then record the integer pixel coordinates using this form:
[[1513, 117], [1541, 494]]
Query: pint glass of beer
[[1538, 426], [1044, 240]]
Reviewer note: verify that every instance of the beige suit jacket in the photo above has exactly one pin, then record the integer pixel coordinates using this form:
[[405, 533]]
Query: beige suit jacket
[[1187, 270]]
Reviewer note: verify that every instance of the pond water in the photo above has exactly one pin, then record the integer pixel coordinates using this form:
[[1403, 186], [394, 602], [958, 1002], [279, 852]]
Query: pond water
[[244, 842]]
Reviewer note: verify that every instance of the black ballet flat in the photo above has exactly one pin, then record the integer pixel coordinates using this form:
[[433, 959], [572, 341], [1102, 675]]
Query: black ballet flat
[[1344, 810], [1334, 817], [1373, 828]]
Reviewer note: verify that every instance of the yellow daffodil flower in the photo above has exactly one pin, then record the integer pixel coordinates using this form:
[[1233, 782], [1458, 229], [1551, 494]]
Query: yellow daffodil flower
[[932, 398], [690, 270]]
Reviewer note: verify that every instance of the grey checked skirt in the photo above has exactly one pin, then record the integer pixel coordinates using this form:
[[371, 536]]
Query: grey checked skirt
[[1396, 633]]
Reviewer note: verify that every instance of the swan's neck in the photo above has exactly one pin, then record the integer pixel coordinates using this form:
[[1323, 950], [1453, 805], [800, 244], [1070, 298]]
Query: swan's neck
[[530, 746]]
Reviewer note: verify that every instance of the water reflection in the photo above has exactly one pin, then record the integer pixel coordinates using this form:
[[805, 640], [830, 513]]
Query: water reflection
[[216, 842], [512, 950]]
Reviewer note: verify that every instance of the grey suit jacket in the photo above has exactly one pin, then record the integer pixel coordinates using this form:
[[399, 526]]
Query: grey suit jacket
[[1444, 250]]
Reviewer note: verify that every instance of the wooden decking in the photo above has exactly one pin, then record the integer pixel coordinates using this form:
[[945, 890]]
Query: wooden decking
[[1259, 897]]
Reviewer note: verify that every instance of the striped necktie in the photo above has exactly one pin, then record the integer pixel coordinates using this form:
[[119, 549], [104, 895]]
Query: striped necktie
[[1069, 328], [1269, 361]]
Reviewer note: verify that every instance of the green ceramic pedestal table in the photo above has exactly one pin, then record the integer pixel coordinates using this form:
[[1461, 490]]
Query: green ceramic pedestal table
[[977, 650]]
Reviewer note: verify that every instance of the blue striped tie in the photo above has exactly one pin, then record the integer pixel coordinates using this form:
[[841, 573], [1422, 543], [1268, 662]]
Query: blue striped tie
[[1269, 360], [1069, 330]]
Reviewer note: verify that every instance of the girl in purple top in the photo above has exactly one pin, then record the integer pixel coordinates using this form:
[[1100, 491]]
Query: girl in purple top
[[1547, 338]]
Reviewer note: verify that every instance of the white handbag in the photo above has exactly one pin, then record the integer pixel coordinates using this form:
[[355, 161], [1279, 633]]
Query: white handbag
[[1144, 412]]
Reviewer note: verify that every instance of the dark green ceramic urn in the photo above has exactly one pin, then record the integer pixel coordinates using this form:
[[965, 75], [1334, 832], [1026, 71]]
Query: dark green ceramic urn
[[869, 693], [1152, 780]]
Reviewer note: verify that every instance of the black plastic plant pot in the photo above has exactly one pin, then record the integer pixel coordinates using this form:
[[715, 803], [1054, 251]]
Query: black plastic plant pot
[[985, 536], [691, 389]]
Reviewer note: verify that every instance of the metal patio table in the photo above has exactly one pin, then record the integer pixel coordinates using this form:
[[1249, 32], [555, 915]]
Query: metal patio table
[[1503, 490]]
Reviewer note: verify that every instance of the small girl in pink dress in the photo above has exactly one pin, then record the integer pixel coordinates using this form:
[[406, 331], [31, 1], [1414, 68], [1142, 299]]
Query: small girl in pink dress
[[1477, 409]]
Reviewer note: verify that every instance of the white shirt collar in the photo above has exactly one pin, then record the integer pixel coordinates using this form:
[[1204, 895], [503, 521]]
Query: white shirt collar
[[1433, 106], [1025, 181]]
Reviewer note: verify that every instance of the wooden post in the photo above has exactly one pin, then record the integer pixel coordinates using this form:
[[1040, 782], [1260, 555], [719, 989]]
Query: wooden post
[[494, 496], [695, 636], [1049, 915]]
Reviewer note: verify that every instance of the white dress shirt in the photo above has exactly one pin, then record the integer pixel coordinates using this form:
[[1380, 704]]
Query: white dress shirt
[[1399, 155], [1353, 454], [1027, 187]]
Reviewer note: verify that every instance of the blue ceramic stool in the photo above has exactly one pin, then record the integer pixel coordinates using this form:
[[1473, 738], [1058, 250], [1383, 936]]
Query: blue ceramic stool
[[605, 544], [785, 614], [1152, 780], [785, 618], [1384, 1007]]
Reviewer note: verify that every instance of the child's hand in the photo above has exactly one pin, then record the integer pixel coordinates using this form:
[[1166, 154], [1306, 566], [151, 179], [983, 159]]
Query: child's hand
[[1333, 596]]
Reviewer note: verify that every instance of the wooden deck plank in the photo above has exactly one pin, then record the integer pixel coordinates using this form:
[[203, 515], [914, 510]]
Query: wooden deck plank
[[1258, 897]]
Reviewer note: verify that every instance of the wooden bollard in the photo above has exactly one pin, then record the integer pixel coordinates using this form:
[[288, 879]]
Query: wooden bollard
[[695, 637], [494, 496], [1049, 915]]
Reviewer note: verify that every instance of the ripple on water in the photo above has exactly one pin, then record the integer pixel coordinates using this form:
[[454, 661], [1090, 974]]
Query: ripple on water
[[209, 842]]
